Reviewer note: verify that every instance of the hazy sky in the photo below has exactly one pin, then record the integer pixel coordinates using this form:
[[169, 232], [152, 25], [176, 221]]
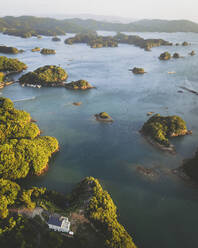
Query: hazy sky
[[161, 9]]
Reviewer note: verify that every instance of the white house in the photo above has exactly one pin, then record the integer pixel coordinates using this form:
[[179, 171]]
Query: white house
[[60, 224]]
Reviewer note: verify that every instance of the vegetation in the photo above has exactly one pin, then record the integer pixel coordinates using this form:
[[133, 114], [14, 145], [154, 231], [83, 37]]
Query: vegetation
[[11, 65], [22, 150], [102, 212], [46, 51], [19, 231], [192, 53], [165, 56], [161, 128], [176, 56], [56, 38], [81, 38], [103, 116], [100, 41], [79, 85], [11, 50], [49, 75], [36, 49], [20, 33], [2, 76], [26, 26], [185, 43], [136, 70], [138, 41]]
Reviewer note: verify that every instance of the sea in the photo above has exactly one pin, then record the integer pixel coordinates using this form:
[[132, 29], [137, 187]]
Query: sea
[[160, 209]]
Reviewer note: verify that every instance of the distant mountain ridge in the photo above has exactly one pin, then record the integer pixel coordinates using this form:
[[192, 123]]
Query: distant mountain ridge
[[26, 26]]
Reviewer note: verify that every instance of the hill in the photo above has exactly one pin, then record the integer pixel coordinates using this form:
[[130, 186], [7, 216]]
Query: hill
[[27, 26]]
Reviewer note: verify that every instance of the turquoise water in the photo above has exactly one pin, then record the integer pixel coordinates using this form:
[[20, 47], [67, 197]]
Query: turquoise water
[[159, 212]]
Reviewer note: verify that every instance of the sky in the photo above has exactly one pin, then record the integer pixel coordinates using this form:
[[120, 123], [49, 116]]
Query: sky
[[135, 9]]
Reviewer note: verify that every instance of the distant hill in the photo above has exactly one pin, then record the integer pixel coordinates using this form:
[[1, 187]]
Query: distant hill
[[27, 26]]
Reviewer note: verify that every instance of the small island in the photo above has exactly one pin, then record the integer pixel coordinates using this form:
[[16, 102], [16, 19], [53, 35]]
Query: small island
[[93, 40], [36, 49], [21, 141], [46, 51], [79, 85], [55, 38], [192, 53], [176, 56], [9, 50], [137, 70], [158, 129], [9, 65], [104, 117], [49, 75], [165, 56], [185, 43]]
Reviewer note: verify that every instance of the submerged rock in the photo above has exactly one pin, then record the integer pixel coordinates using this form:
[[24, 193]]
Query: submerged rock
[[103, 116]]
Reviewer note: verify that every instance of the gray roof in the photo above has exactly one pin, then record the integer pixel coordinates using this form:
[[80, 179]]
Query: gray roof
[[54, 221]]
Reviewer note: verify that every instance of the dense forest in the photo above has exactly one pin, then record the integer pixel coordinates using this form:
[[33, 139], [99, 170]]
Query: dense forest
[[27, 26]]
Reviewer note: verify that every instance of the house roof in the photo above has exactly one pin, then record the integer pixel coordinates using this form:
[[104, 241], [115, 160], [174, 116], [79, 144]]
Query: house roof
[[54, 221]]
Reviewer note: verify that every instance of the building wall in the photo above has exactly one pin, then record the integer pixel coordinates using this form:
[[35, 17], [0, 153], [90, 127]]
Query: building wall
[[57, 228]]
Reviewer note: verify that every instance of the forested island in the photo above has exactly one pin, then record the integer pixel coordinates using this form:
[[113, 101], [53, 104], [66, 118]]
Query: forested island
[[96, 41], [49, 75], [28, 154], [28, 26], [158, 129]]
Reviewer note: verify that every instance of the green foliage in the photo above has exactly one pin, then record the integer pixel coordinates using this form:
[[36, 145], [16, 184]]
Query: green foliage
[[160, 128], [8, 194], [2, 76], [104, 115], [23, 232], [12, 65], [140, 42], [49, 75], [165, 56], [22, 150], [30, 197], [56, 39], [102, 211], [137, 70], [176, 56], [80, 84], [11, 50], [93, 40], [47, 51], [36, 49]]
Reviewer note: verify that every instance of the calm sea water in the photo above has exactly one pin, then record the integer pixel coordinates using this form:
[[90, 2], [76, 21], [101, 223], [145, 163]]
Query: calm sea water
[[159, 212]]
